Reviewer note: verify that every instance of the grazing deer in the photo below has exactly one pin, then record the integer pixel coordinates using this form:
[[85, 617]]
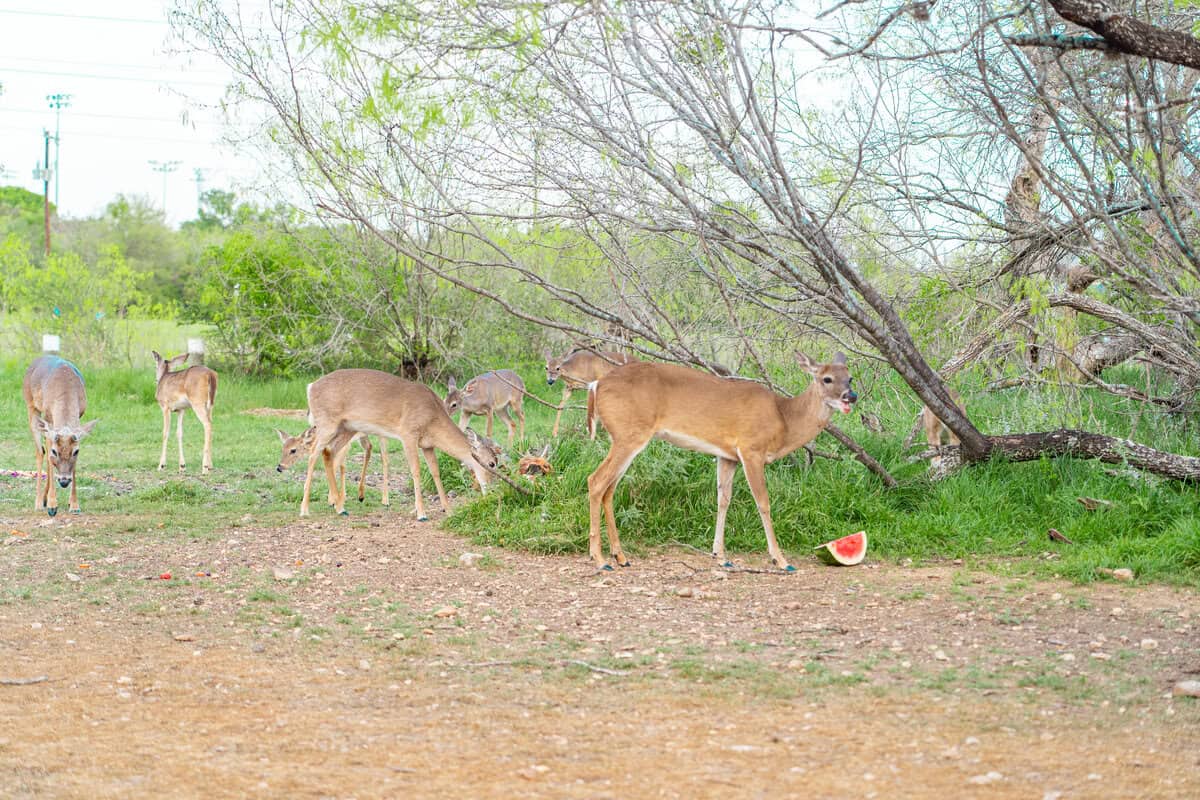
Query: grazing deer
[[194, 388], [486, 394], [352, 401], [739, 422], [936, 431], [577, 369], [295, 446], [55, 398]]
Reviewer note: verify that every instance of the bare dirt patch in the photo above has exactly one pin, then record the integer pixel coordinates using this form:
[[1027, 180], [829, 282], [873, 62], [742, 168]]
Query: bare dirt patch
[[360, 658]]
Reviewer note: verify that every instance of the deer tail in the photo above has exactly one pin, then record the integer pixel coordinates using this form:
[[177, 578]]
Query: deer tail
[[593, 415], [212, 389]]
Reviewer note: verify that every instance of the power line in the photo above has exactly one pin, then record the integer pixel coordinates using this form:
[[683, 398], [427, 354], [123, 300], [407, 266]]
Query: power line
[[103, 64], [88, 76], [88, 17], [109, 116]]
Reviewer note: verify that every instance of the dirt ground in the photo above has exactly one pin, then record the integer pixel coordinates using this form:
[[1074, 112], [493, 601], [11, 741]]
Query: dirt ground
[[360, 658]]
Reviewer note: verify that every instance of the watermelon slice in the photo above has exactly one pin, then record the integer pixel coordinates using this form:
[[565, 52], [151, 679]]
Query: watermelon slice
[[846, 551]]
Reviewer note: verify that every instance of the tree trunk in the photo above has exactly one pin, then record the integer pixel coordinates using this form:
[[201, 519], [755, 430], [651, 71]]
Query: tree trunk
[[1083, 444]]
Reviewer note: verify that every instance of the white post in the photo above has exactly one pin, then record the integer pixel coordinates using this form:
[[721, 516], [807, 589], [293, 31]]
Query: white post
[[50, 343], [196, 351]]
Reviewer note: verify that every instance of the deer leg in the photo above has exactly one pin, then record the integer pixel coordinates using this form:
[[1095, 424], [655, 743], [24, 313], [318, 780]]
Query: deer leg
[[610, 520], [333, 462], [162, 459], [39, 455], [73, 503], [508, 421], [319, 443], [206, 422], [488, 414], [519, 407], [412, 453], [726, 468], [362, 478], [383, 454], [431, 460], [561, 405], [758, 488], [464, 419], [179, 436], [600, 483]]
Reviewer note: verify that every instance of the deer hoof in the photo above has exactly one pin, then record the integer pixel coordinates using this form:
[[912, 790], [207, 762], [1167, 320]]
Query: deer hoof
[[728, 565], [51, 511], [626, 564], [343, 513], [360, 499], [607, 568], [76, 510], [789, 568], [422, 519]]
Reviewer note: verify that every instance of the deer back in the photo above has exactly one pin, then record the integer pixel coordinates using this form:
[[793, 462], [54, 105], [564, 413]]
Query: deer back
[[491, 390], [53, 389]]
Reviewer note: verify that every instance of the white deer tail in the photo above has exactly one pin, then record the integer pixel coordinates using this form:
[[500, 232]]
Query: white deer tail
[[593, 414]]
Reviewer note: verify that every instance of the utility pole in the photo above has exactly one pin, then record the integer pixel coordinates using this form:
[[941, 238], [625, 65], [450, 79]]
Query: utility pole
[[165, 167], [43, 173], [58, 102]]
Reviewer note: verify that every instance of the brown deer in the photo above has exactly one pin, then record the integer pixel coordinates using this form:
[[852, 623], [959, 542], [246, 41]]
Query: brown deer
[[194, 388], [737, 421], [352, 401], [55, 398], [936, 432], [486, 394], [295, 446], [577, 369]]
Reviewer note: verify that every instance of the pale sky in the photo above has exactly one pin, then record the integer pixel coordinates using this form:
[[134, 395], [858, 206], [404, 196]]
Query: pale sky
[[133, 100]]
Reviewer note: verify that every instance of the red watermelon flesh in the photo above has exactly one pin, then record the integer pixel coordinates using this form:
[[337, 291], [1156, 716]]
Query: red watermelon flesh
[[846, 551]]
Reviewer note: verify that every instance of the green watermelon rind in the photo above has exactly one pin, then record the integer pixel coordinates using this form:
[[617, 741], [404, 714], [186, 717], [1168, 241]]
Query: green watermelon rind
[[829, 554]]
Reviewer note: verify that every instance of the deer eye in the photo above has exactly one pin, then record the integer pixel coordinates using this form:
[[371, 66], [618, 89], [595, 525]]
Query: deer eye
[[292, 450], [54, 452], [828, 379], [75, 453]]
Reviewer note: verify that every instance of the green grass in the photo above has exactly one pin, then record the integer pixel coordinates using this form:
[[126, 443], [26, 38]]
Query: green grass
[[995, 514]]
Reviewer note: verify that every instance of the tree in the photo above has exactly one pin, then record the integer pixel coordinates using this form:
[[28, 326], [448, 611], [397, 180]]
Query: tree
[[644, 127]]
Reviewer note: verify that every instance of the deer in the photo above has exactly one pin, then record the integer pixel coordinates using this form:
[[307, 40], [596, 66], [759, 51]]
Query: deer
[[486, 394], [348, 402], [737, 421], [194, 388], [577, 369], [294, 446], [55, 399], [936, 431]]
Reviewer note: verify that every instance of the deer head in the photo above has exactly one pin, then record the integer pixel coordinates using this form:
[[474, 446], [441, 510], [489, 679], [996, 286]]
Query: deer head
[[63, 448], [832, 381], [293, 447], [553, 368], [162, 366]]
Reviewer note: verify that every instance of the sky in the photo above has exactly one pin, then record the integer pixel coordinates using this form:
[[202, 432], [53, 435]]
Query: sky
[[134, 98]]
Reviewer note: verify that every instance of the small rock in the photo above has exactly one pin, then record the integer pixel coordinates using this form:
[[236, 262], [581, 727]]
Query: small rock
[[1123, 574], [283, 573], [469, 559], [446, 611], [1116, 611], [1149, 644], [125, 680], [1186, 689], [364, 665], [940, 655], [73, 578], [971, 740], [1101, 656], [258, 647], [685, 591], [1067, 657], [184, 637]]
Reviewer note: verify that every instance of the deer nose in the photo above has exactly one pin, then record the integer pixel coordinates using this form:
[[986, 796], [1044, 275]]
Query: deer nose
[[549, 381], [279, 467], [851, 396], [64, 482]]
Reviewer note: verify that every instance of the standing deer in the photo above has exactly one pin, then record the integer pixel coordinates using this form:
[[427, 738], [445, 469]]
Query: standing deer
[[737, 421], [352, 401], [486, 394], [55, 398], [936, 431], [578, 368], [295, 446], [194, 388]]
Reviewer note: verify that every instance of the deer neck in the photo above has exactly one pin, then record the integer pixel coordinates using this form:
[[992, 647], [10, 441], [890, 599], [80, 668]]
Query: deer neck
[[449, 439], [806, 415]]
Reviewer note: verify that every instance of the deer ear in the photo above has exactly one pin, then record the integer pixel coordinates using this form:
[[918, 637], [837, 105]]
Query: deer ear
[[451, 385], [86, 429], [545, 451], [41, 425], [178, 360], [839, 358], [807, 364], [472, 437], [157, 357], [283, 437]]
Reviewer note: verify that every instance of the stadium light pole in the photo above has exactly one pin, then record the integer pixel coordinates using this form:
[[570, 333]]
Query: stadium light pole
[[58, 102], [165, 167]]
